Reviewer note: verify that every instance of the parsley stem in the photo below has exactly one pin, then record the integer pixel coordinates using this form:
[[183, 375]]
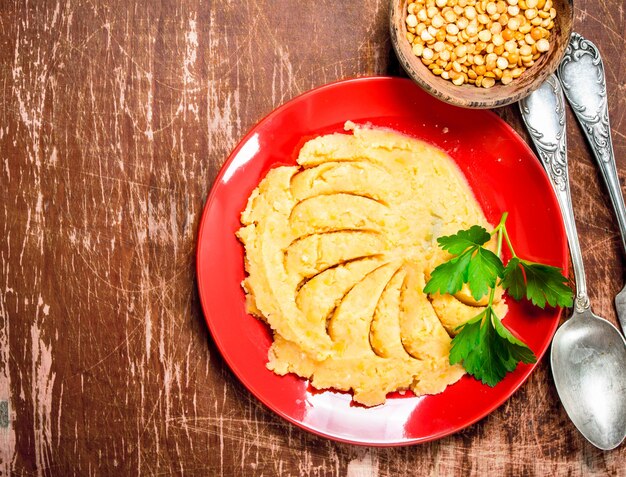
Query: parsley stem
[[498, 228], [501, 233], [508, 242], [501, 230], [502, 220]]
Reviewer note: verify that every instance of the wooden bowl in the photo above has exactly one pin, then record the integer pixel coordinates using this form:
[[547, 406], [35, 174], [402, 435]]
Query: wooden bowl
[[470, 96]]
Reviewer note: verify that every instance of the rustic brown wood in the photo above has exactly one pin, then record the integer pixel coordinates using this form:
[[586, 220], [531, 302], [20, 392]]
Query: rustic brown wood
[[116, 116], [468, 95]]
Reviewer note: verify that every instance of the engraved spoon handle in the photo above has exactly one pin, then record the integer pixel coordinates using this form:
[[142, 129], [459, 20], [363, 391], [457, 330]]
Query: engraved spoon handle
[[544, 115], [582, 76]]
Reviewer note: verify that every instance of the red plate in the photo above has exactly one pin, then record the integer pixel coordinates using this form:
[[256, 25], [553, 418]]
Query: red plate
[[504, 175]]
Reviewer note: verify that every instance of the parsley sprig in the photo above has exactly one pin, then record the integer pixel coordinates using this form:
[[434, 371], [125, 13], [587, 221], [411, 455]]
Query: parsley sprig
[[484, 346]]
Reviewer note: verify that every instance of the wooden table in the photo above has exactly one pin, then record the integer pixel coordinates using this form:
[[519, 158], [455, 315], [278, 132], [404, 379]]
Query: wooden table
[[116, 117]]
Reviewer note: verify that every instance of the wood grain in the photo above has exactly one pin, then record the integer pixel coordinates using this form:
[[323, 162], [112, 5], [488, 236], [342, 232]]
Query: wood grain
[[115, 118]]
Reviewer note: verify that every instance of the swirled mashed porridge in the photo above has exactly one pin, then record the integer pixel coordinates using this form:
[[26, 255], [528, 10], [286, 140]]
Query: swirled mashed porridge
[[338, 251]]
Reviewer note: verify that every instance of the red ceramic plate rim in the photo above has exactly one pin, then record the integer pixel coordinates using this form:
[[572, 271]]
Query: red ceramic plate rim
[[204, 299]]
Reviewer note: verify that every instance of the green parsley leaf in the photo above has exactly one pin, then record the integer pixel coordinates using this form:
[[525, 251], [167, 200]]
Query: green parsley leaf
[[542, 284], [487, 349], [476, 266], [468, 339], [518, 349], [464, 239], [545, 283], [484, 269], [450, 276], [513, 280]]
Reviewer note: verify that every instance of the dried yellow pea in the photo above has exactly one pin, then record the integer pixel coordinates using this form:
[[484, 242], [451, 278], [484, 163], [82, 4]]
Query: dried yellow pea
[[479, 42]]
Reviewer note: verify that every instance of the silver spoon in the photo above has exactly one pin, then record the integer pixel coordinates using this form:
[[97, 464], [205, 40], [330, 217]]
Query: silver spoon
[[582, 76], [588, 354]]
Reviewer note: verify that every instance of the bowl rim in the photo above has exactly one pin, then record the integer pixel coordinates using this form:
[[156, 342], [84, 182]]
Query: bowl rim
[[540, 76]]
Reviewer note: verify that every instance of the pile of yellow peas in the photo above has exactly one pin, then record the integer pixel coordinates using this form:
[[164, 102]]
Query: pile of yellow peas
[[479, 41]]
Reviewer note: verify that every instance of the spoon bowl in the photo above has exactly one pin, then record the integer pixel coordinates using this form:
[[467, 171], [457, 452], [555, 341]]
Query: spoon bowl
[[588, 363]]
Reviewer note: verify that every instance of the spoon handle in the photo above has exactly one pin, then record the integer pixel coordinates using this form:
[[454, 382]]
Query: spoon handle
[[582, 76], [544, 115]]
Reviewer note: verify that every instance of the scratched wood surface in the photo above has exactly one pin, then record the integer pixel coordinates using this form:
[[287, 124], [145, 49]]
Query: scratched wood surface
[[115, 118]]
